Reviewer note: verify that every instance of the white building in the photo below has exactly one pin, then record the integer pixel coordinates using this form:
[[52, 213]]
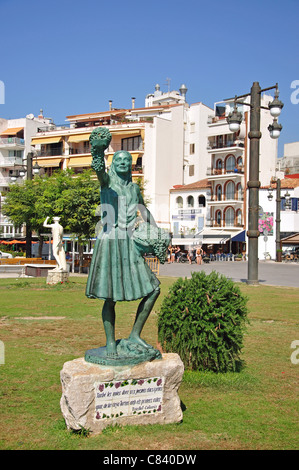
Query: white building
[[223, 158], [289, 217], [289, 163], [154, 135], [188, 209], [15, 143]]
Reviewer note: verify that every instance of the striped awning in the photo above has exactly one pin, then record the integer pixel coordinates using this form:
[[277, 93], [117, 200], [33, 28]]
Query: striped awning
[[49, 162], [12, 131], [46, 140], [79, 137], [79, 162]]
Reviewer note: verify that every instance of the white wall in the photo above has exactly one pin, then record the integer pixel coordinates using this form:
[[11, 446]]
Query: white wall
[[163, 162], [196, 130], [289, 221], [200, 210]]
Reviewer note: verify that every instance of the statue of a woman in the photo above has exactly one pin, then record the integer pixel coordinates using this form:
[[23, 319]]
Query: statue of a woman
[[118, 270], [58, 250]]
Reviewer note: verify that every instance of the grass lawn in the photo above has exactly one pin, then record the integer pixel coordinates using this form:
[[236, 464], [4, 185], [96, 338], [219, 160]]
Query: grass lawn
[[44, 326]]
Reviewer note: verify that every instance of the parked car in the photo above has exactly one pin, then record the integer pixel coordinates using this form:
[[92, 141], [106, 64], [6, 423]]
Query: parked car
[[5, 255]]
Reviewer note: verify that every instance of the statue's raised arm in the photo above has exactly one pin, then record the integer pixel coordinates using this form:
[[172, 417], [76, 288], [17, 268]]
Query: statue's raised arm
[[99, 139]]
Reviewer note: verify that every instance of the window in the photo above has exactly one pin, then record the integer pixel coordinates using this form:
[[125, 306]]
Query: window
[[192, 149], [218, 218], [15, 153], [138, 163], [229, 217], [230, 163], [202, 201], [86, 146], [191, 170], [219, 193], [192, 126], [190, 201], [239, 161], [179, 202], [230, 190], [239, 191], [132, 143], [239, 217]]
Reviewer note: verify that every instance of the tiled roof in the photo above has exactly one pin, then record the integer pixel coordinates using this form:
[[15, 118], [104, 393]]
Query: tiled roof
[[201, 184], [286, 183]]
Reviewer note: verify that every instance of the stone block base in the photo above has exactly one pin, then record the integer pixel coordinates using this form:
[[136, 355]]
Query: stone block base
[[95, 396], [56, 277]]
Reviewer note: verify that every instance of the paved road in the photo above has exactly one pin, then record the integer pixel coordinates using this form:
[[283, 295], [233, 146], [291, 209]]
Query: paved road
[[269, 272]]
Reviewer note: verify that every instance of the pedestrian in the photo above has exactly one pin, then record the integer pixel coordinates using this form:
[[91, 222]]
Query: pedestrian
[[199, 253]]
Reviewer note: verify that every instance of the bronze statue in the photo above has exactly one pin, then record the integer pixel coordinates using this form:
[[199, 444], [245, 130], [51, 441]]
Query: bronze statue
[[118, 271]]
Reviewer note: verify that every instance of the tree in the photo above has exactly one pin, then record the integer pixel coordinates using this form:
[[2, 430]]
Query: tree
[[20, 204], [78, 204], [74, 198]]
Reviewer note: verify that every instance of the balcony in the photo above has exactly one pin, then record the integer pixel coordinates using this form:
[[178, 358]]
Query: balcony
[[5, 181], [218, 147], [54, 152], [225, 201], [234, 225], [12, 142], [10, 162], [222, 173]]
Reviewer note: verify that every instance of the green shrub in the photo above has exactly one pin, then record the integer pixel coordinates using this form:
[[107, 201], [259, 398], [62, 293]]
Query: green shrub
[[203, 320]]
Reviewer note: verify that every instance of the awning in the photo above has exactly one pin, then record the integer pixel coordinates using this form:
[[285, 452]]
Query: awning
[[291, 240], [125, 132], [47, 162], [239, 237], [79, 161], [12, 131], [79, 137], [135, 156], [215, 240], [109, 158], [185, 241], [46, 140]]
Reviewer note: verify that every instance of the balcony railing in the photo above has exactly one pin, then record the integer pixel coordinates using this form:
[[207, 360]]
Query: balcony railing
[[223, 224], [50, 152], [5, 180], [224, 198], [11, 161], [11, 141], [224, 145], [223, 171], [54, 127]]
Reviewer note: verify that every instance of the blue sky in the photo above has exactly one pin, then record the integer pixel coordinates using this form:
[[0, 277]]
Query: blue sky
[[70, 57]]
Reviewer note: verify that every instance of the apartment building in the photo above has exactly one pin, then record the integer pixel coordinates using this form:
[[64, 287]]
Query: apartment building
[[153, 134], [15, 143], [222, 164]]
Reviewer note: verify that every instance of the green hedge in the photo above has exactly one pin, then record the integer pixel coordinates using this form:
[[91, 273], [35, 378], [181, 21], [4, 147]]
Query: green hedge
[[203, 319]]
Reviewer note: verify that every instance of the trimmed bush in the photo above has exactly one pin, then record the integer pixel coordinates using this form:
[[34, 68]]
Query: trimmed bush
[[203, 320]]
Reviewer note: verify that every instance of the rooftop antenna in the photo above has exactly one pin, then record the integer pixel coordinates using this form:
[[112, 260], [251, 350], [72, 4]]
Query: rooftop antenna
[[168, 80]]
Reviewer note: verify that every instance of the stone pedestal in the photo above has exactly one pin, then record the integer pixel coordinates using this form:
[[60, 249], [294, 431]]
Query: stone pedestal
[[96, 396], [56, 277]]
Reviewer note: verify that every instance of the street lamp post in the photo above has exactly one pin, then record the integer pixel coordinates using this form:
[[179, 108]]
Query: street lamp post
[[234, 121]]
